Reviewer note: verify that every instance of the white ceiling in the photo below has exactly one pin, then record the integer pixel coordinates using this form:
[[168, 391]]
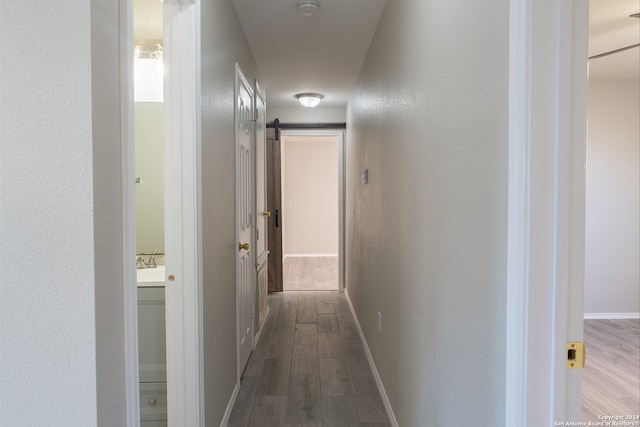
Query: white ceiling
[[324, 53], [610, 28], [321, 53]]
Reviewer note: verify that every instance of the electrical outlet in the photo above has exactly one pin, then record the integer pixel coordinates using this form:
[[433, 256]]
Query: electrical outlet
[[379, 323]]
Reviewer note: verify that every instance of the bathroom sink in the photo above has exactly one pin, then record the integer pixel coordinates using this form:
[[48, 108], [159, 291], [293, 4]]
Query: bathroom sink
[[148, 277]]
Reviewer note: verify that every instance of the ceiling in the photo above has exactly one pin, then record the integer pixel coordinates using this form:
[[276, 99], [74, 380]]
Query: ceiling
[[610, 28], [321, 53], [324, 53]]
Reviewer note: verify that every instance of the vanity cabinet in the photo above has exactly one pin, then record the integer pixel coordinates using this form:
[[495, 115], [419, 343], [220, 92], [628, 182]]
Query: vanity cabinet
[[152, 356], [153, 404]]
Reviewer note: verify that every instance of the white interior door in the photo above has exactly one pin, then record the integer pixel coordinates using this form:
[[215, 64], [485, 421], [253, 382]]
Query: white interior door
[[183, 215], [262, 214], [244, 216]]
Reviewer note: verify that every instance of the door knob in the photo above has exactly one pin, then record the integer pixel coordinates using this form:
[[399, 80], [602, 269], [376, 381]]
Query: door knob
[[266, 213], [244, 246]]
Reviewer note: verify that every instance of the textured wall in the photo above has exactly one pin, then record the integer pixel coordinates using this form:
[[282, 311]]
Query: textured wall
[[47, 311], [612, 281], [426, 237], [223, 44], [300, 114]]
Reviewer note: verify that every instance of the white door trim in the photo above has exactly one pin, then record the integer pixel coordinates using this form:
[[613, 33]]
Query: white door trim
[[127, 137], [341, 189], [547, 126], [183, 214]]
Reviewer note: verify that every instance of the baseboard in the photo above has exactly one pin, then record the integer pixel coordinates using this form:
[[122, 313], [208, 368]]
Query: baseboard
[[257, 336], [612, 315], [308, 255], [372, 364], [230, 405]]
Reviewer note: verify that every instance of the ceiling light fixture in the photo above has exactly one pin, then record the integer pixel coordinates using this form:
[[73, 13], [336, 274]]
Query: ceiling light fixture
[[309, 100], [308, 7]]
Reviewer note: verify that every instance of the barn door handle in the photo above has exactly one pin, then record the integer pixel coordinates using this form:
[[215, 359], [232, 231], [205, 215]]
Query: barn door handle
[[277, 217]]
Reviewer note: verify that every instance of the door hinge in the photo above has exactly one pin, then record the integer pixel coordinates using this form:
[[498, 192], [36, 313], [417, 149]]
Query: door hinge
[[576, 355], [253, 311]]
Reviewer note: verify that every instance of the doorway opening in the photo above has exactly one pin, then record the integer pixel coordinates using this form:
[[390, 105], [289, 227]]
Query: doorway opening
[[148, 114], [611, 326], [305, 169], [310, 211], [164, 377]]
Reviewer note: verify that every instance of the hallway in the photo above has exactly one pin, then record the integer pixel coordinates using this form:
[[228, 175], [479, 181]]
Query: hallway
[[309, 368]]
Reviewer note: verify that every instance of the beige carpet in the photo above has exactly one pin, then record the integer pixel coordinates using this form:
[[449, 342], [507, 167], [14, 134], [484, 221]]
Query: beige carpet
[[310, 273]]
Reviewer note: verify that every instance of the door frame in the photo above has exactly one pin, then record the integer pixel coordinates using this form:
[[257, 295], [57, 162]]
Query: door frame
[[546, 208], [130, 297], [183, 218], [339, 134]]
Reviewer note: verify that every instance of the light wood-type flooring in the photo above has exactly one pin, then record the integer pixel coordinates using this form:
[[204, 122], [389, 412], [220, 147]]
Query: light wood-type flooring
[[611, 376], [309, 368], [310, 273]]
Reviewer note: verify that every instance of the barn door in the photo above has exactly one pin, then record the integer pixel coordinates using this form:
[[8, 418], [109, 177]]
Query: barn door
[[274, 205]]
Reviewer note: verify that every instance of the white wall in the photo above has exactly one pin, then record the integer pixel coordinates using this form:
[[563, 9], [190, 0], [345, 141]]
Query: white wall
[[149, 141], [612, 281], [47, 276], [310, 195], [426, 237], [223, 44], [300, 114]]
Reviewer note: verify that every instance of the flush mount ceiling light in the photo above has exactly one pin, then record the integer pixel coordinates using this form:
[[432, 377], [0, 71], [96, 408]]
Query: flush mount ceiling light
[[309, 100], [307, 7]]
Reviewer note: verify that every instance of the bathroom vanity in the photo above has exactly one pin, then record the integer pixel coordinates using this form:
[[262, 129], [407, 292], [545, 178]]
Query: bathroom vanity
[[152, 347]]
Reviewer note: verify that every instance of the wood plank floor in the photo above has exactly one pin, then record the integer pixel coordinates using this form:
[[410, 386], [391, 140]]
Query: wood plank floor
[[310, 273], [611, 377], [309, 368]]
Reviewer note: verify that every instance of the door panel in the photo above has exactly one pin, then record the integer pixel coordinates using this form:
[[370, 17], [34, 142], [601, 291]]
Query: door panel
[[262, 211], [244, 216], [274, 204]]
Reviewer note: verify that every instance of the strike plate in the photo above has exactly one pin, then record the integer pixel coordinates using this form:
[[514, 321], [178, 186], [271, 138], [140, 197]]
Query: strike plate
[[576, 355]]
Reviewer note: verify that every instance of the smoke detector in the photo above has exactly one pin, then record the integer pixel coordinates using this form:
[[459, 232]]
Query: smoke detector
[[307, 7]]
